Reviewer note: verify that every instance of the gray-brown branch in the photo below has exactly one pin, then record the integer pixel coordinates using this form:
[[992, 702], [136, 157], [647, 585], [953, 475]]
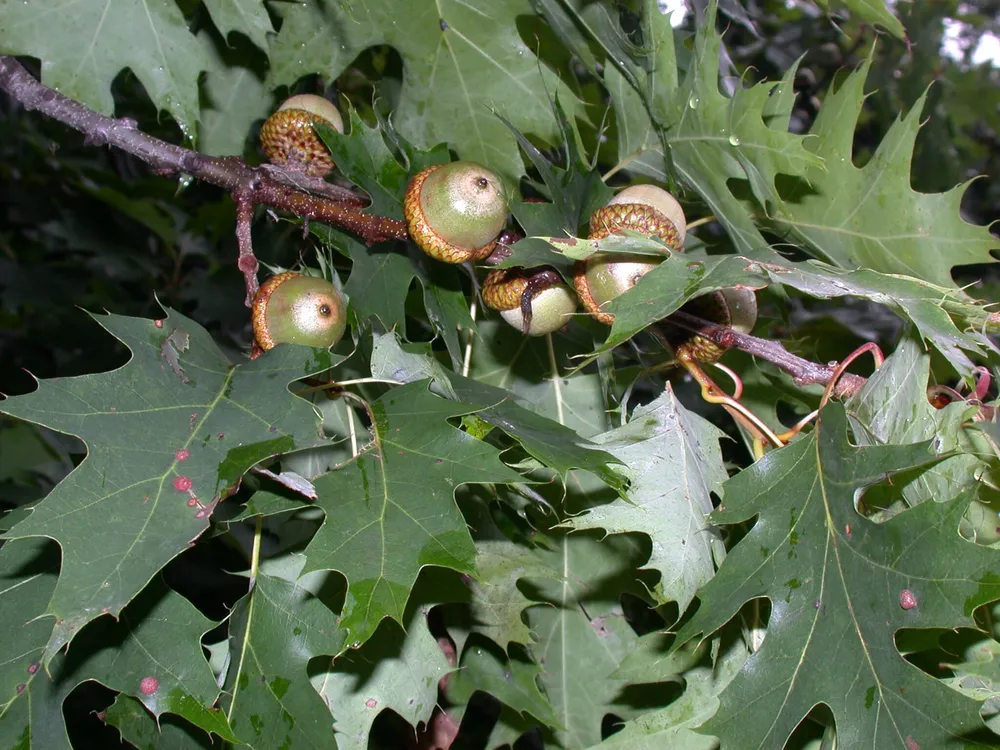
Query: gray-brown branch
[[802, 370]]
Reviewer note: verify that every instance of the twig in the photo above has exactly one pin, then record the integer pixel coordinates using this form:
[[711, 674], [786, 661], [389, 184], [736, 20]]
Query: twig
[[258, 185], [802, 370], [247, 261]]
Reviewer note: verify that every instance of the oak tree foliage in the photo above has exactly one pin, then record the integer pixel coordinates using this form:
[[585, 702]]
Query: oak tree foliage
[[443, 533]]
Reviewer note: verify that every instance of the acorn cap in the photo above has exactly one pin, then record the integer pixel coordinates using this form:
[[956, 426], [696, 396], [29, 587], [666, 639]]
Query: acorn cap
[[735, 308], [454, 212], [291, 308], [289, 139], [658, 198], [503, 287]]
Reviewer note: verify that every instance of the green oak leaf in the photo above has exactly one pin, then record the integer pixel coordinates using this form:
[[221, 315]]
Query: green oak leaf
[[274, 631], [525, 365], [892, 408], [84, 46], [248, 17], [673, 461], [979, 674], [397, 669], [714, 138], [168, 435], [841, 587], [498, 604], [391, 511], [153, 653], [574, 192], [870, 217], [675, 726], [140, 728], [461, 60], [581, 634], [875, 12], [27, 577], [556, 446], [513, 682], [363, 157], [548, 441], [653, 661], [380, 278], [446, 304], [236, 99]]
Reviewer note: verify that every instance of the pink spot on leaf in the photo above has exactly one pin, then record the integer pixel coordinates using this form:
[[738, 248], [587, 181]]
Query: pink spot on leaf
[[907, 600], [149, 685], [158, 323], [371, 703], [182, 455], [182, 483]]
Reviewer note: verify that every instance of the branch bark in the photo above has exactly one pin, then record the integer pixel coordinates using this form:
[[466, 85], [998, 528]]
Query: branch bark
[[804, 371]]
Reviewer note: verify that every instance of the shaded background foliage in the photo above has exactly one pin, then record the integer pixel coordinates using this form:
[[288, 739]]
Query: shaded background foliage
[[85, 227]]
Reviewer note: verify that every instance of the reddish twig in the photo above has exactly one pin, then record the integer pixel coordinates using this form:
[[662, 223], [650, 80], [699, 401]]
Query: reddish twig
[[247, 262]]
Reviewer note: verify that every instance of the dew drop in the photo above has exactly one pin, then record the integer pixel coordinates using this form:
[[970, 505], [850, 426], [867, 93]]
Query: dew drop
[[693, 102], [734, 141]]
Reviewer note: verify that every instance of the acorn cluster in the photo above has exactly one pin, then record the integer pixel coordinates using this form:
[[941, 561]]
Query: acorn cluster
[[456, 212]]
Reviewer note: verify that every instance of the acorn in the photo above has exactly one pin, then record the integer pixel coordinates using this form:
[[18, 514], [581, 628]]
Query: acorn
[[288, 137], [734, 308], [455, 212], [605, 276], [533, 300], [981, 523], [291, 308]]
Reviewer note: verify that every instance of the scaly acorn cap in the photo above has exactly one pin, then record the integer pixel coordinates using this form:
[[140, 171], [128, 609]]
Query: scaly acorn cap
[[291, 308], [551, 305], [735, 308], [454, 212], [289, 139], [658, 198]]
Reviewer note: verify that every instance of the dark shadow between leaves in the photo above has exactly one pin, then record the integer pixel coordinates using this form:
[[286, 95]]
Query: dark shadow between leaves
[[812, 727], [83, 711]]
